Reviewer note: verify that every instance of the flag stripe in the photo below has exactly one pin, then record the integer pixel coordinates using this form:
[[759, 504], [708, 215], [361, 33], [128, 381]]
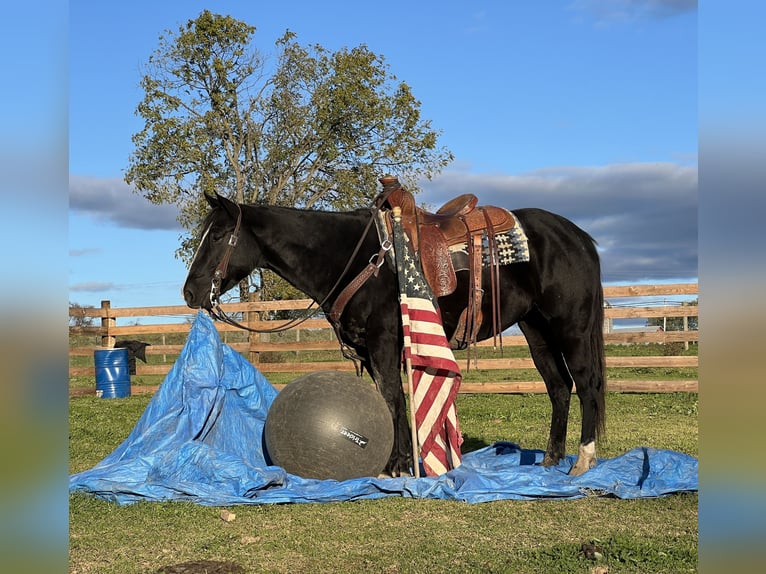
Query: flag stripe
[[435, 375]]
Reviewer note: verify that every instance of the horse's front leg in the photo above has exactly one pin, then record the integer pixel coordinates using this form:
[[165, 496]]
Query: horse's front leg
[[385, 357]]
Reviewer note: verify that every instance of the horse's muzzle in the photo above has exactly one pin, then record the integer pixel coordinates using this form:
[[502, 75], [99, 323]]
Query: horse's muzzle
[[189, 298], [195, 302]]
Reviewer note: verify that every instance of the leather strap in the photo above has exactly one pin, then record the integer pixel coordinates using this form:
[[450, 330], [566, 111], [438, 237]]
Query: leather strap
[[471, 318], [477, 292], [494, 274], [371, 270]]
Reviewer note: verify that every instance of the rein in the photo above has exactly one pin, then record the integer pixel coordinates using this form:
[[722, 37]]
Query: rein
[[311, 311]]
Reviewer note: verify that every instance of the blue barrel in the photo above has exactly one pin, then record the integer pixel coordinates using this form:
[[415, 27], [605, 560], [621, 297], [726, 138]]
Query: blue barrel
[[112, 373]]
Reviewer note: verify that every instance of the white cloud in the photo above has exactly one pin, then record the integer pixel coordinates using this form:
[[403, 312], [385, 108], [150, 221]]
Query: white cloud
[[643, 215], [112, 200], [94, 287], [605, 12], [83, 252]]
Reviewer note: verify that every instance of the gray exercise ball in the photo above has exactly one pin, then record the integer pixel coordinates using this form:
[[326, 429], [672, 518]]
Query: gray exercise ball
[[329, 425]]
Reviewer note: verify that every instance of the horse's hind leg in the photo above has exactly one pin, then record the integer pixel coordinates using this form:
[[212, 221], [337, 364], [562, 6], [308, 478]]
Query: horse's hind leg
[[586, 366], [550, 363]]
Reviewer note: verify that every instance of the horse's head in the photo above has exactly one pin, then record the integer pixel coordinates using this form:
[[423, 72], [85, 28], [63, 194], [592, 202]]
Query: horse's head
[[221, 259]]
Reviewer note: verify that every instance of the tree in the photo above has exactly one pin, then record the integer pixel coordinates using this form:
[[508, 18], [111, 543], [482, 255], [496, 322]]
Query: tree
[[317, 130], [675, 323], [77, 316]]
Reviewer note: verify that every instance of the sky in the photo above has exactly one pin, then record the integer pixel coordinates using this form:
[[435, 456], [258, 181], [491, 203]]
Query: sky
[[587, 108]]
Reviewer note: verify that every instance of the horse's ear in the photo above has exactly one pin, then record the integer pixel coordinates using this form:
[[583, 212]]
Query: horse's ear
[[228, 205], [219, 201], [212, 200]]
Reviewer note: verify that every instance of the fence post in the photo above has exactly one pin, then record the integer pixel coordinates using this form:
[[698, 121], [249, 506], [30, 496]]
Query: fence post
[[107, 340], [608, 321], [253, 356]]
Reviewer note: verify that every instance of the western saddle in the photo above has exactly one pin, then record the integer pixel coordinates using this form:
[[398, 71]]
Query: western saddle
[[459, 224]]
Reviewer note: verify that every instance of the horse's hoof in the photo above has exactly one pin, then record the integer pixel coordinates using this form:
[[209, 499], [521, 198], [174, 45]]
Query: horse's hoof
[[549, 460], [586, 459], [577, 471], [400, 474]]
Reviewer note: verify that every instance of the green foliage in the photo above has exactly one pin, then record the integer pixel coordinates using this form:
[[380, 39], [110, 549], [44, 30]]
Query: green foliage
[[77, 316], [675, 323], [317, 130]]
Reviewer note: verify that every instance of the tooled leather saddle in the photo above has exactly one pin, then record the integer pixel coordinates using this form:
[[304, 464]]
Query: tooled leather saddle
[[459, 225]]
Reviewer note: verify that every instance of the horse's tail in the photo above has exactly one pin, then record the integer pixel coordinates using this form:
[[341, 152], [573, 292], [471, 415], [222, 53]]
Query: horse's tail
[[599, 362]]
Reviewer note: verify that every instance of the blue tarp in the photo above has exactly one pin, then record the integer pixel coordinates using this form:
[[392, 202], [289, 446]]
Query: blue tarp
[[200, 439]]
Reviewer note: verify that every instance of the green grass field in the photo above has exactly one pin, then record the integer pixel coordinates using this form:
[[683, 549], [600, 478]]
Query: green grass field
[[404, 535]]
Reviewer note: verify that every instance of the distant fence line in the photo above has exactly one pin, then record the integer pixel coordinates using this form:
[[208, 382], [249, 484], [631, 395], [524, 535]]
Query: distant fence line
[[109, 331]]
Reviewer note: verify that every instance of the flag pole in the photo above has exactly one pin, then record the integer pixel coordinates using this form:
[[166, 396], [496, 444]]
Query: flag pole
[[397, 213], [413, 428]]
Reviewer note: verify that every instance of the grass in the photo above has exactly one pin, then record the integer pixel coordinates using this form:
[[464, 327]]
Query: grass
[[403, 535], [392, 535]]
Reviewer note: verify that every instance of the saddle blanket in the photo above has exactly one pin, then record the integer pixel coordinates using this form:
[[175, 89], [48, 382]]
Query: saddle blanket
[[512, 247]]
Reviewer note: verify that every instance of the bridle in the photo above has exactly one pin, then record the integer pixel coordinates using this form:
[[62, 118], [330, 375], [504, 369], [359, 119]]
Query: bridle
[[223, 265], [376, 261]]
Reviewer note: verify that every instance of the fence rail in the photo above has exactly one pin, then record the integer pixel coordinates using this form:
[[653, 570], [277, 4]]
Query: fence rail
[[256, 347]]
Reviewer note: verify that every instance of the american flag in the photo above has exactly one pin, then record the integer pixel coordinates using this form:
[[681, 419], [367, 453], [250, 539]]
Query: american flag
[[435, 376]]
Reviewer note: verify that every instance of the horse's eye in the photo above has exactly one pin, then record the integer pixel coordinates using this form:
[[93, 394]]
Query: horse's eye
[[217, 235]]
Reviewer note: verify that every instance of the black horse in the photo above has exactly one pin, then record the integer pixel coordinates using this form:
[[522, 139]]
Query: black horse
[[556, 298]]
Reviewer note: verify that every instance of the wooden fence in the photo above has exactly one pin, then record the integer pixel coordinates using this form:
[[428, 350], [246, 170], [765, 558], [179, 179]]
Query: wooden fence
[[255, 346]]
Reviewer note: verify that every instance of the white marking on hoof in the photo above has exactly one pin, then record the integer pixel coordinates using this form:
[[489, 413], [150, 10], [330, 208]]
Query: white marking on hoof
[[586, 459]]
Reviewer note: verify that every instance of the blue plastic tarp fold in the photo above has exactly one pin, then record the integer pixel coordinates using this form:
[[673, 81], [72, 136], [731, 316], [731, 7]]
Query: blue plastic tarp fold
[[201, 439]]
